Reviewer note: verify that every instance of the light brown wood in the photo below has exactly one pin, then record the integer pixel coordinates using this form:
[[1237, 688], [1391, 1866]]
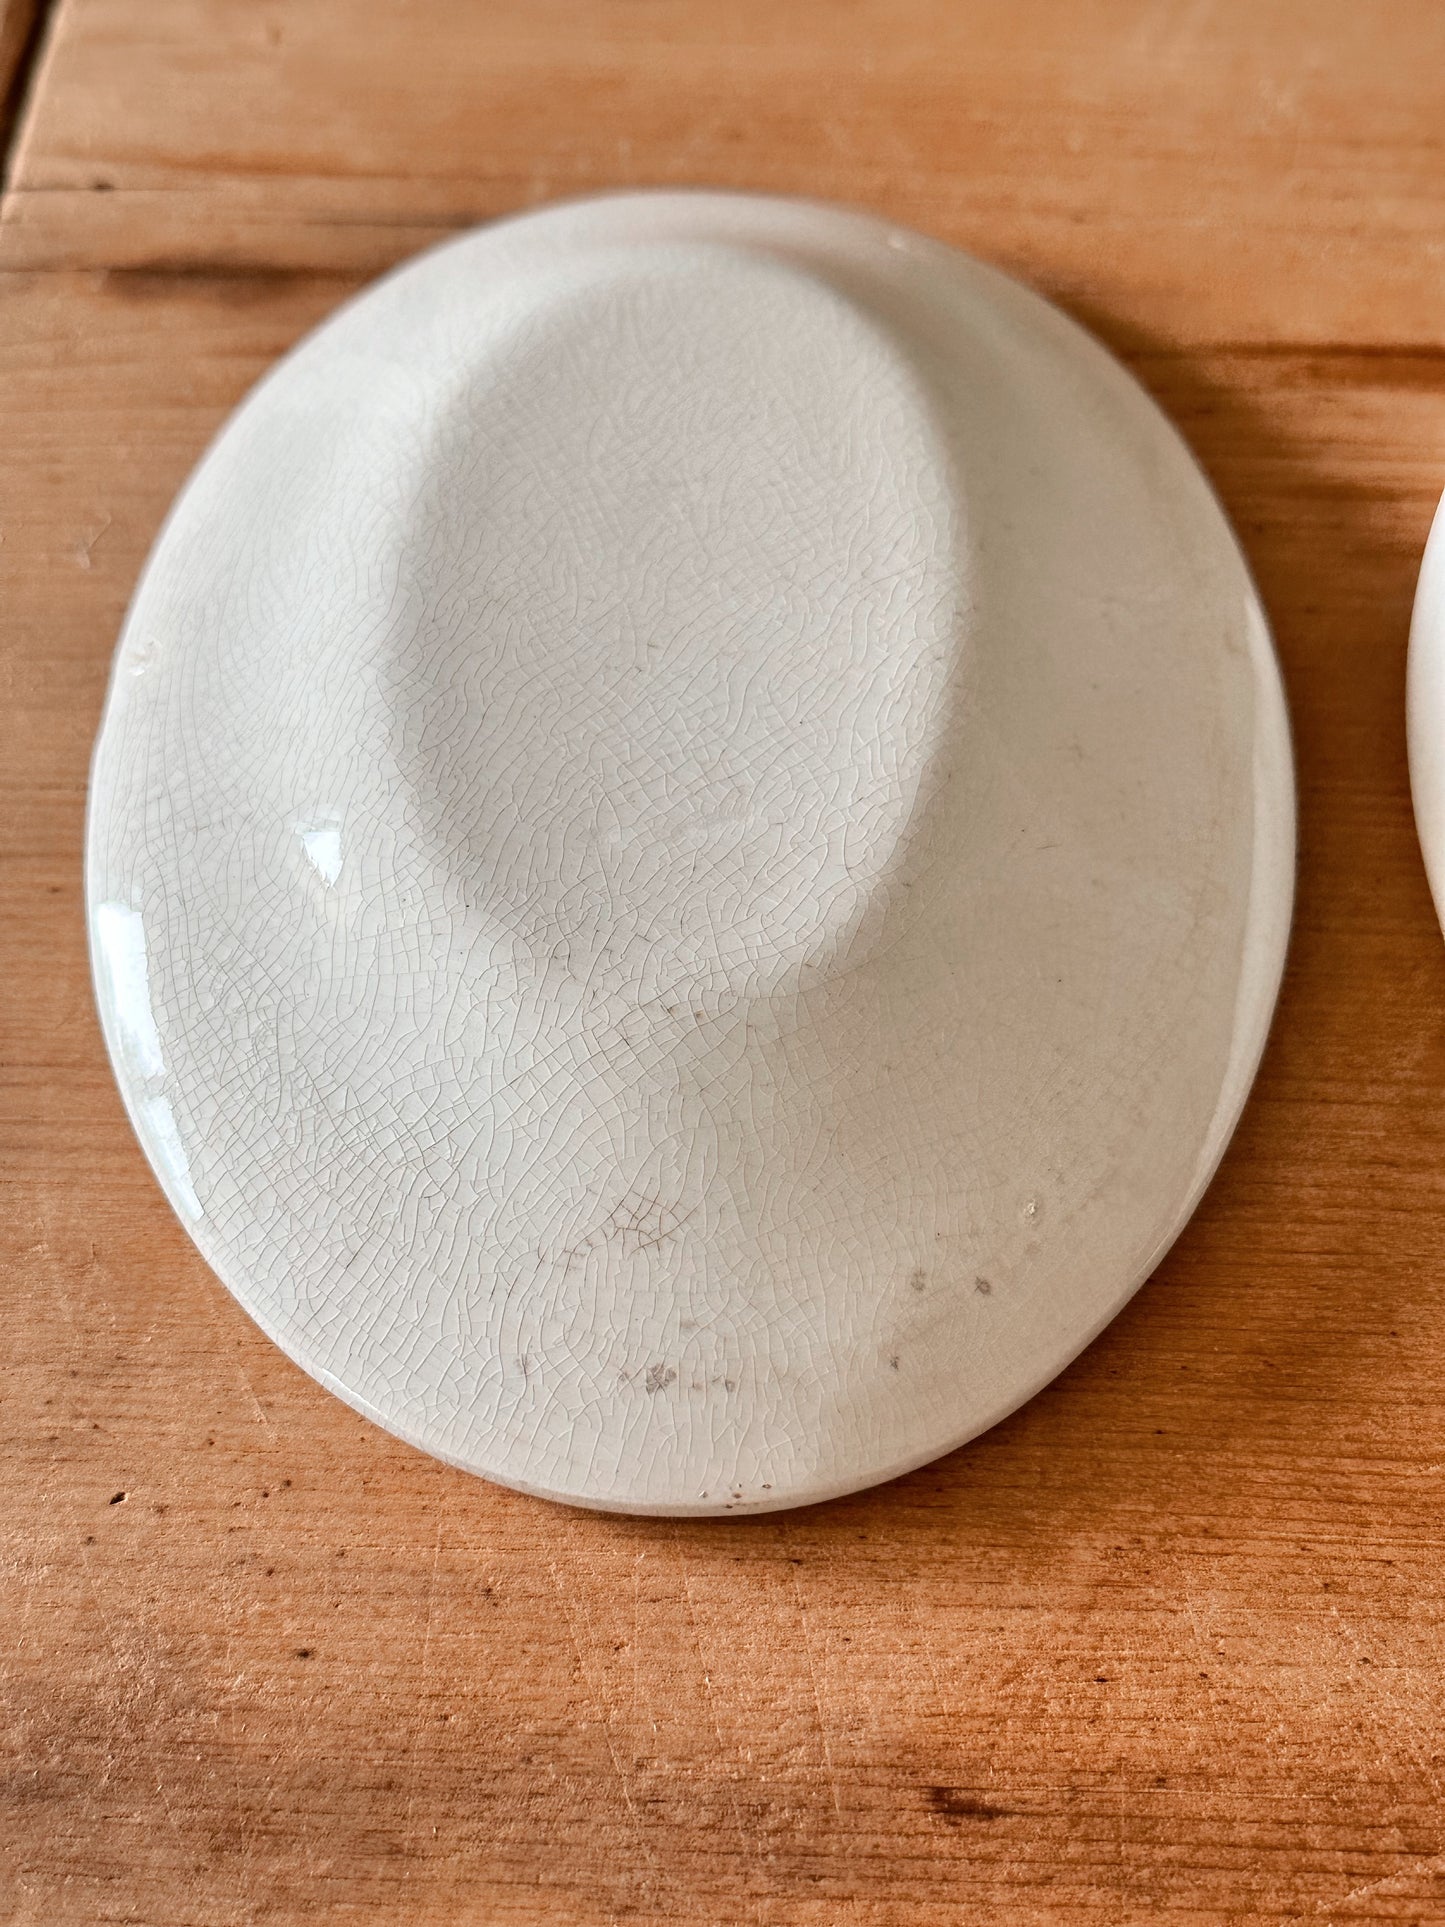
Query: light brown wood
[[1167, 1646], [1261, 170]]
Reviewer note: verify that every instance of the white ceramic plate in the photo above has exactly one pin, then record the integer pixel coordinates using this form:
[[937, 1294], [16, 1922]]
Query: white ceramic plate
[[691, 850], [1425, 709]]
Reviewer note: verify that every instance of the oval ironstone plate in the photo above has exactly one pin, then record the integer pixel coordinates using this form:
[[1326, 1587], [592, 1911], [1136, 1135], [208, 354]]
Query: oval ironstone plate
[[691, 849]]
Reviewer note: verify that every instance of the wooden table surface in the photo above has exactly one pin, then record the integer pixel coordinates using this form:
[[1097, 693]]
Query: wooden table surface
[[1167, 1646]]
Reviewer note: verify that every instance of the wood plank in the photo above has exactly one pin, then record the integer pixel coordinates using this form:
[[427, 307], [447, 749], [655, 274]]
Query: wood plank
[[1168, 1645], [1198, 173]]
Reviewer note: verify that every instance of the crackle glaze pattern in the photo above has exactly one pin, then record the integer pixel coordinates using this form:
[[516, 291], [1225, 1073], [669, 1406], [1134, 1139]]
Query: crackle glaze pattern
[[690, 850]]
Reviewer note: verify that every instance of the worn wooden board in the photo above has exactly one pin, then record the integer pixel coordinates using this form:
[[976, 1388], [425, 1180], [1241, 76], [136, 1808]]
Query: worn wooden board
[[1255, 171], [1167, 1646]]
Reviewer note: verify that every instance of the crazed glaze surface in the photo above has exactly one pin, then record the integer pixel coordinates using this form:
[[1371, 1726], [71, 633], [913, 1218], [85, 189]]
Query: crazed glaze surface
[[690, 850]]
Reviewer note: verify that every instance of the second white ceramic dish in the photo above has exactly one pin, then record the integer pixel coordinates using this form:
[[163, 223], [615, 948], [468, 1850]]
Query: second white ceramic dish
[[1425, 709], [691, 850]]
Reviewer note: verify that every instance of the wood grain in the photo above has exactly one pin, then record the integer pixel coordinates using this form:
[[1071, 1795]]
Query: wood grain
[[1264, 171], [1167, 1646]]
